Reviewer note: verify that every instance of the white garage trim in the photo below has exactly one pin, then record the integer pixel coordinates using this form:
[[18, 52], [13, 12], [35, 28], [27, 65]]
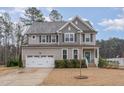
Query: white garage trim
[[40, 61]]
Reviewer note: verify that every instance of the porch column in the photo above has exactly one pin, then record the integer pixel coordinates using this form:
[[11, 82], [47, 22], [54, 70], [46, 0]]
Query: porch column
[[82, 53], [58, 38], [94, 53]]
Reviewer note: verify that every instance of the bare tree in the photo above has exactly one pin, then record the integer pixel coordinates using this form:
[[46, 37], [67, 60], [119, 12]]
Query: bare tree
[[6, 29]]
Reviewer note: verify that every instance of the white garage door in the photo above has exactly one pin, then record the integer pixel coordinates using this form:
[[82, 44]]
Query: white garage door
[[39, 61]]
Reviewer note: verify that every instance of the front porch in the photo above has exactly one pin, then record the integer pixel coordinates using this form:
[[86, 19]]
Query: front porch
[[91, 55]]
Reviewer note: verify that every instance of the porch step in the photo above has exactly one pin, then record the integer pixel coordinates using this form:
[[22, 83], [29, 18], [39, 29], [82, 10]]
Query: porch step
[[91, 65]]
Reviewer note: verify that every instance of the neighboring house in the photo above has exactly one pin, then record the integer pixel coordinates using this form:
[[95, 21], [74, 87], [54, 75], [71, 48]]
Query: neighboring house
[[50, 41]]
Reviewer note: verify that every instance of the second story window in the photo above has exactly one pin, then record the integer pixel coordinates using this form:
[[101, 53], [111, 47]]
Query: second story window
[[43, 38], [47, 39], [69, 37], [91, 37], [83, 37], [54, 38], [40, 39], [87, 39]]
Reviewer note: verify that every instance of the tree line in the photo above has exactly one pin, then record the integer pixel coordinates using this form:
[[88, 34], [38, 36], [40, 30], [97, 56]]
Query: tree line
[[11, 34], [112, 48]]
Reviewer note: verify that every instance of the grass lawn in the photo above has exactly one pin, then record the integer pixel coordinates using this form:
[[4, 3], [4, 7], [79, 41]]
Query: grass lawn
[[96, 76]]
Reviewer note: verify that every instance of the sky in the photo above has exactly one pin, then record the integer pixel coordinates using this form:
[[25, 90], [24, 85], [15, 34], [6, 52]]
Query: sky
[[107, 21]]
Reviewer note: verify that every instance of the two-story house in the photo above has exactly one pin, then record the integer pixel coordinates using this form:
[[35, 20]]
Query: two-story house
[[50, 41]]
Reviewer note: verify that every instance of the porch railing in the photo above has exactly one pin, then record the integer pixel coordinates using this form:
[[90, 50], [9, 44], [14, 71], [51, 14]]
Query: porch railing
[[96, 61], [86, 61]]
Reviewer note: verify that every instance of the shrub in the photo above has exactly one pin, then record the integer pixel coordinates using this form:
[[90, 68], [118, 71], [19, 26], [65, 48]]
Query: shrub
[[83, 62], [12, 62], [69, 63], [59, 64], [73, 63], [78, 64], [66, 61], [103, 63]]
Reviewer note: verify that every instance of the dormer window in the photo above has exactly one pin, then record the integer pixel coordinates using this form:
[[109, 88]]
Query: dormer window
[[69, 37]]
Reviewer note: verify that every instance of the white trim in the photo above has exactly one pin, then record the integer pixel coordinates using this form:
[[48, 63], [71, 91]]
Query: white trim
[[69, 38], [45, 39], [62, 52], [34, 37], [87, 37], [71, 24], [82, 22], [58, 38], [48, 40], [90, 54], [53, 38], [73, 52], [80, 39]]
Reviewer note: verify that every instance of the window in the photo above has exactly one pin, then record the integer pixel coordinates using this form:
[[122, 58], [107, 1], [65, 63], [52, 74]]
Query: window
[[96, 53], [91, 37], [69, 37], [47, 38], [53, 38], [87, 39], [33, 37], [36, 56], [83, 36], [43, 38], [50, 56], [75, 54], [64, 54], [29, 56], [43, 56], [40, 39]]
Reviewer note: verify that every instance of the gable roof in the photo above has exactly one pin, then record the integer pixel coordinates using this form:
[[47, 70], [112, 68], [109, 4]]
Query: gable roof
[[54, 27], [66, 24], [86, 23]]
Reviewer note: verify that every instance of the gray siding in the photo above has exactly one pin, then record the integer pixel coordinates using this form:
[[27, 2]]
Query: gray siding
[[72, 29], [80, 24]]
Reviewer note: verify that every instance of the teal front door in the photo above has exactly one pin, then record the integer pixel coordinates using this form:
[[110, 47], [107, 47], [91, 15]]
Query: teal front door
[[87, 56]]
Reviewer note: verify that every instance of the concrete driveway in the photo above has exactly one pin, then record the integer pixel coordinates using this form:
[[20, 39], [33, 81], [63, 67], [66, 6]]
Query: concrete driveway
[[24, 77]]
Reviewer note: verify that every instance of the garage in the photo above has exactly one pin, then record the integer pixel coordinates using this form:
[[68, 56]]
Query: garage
[[40, 61]]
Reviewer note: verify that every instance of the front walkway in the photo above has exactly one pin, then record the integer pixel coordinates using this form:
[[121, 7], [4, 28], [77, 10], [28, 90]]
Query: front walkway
[[23, 77], [96, 76]]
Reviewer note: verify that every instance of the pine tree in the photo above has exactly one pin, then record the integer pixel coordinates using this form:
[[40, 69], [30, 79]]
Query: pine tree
[[55, 16], [32, 14]]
